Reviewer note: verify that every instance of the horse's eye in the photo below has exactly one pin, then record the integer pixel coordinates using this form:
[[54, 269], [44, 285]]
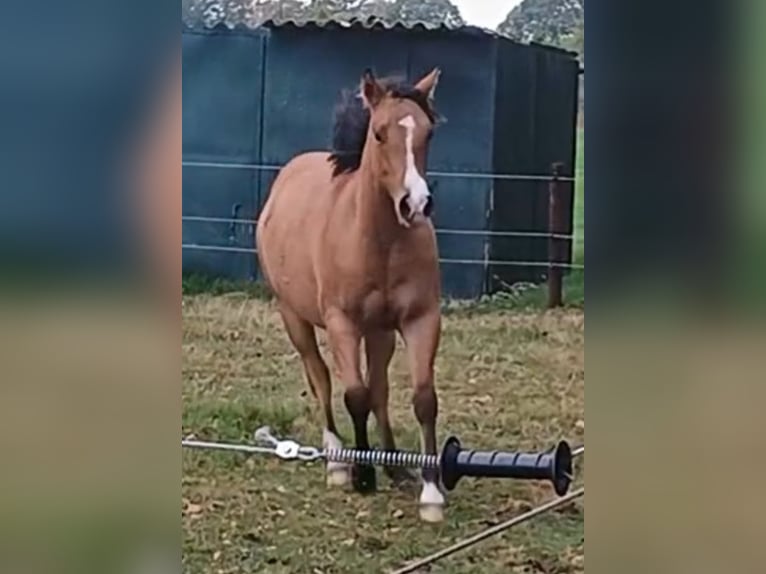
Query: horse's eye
[[378, 136]]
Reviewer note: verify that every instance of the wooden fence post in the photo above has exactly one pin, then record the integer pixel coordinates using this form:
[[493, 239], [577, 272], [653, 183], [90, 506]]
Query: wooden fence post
[[556, 227]]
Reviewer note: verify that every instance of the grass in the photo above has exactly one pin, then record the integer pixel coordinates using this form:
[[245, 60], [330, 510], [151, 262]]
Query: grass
[[508, 376], [505, 378], [200, 284], [515, 297]]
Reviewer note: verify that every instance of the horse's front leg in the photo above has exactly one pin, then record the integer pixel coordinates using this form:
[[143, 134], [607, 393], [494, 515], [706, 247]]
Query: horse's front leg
[[421, 337], [345, 342]]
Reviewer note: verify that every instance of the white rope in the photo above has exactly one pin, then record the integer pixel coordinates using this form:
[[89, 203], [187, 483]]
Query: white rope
[[244, 448], [439, 230], [444, 174], [224, 249], [513, 263], [476, 538]]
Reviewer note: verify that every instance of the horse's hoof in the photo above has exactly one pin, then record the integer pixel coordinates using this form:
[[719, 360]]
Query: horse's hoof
[[338, 476], [432, 513], [400, 476], [431, 503], [364, 479]]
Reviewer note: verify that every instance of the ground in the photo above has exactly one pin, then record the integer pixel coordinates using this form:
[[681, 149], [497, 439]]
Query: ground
[[506, 378]]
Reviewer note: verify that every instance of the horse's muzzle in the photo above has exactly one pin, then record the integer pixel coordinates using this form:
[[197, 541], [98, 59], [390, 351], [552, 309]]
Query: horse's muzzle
[[408, 212]]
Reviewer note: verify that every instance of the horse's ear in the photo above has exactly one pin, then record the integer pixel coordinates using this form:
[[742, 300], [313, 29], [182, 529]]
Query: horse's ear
[[427, 84], [371, 90]]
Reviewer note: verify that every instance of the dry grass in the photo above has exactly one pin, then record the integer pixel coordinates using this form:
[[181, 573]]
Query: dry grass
[[505, 380]]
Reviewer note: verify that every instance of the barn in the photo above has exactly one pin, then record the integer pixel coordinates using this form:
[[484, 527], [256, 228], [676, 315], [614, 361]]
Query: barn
[[253, 98]]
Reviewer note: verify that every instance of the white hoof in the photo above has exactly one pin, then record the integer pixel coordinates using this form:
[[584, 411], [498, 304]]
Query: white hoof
[[431, 503], [338, 476], [431, 513]]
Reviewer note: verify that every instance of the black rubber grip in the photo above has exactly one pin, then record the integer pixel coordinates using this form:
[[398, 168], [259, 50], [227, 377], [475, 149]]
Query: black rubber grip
[[555, 465]]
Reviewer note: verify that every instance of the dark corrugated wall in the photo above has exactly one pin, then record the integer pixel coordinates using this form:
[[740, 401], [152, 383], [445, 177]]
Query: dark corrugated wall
[[264, 96], [222, 115], [301, 90], [535, 126]]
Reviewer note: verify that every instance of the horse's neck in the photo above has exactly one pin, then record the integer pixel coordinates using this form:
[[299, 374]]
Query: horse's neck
[[374, 213]]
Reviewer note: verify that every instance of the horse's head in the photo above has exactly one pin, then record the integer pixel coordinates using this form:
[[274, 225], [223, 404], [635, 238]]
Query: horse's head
[[401, 124]]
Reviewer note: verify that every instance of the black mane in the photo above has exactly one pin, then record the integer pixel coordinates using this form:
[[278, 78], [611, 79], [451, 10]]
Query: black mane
[[351, 121]]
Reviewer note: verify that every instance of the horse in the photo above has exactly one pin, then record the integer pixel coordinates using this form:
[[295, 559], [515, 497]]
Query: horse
[[346, 244]]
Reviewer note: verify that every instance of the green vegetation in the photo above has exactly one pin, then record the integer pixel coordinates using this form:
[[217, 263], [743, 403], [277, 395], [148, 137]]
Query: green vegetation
[[199, 284], [556, 22], [210, 12]]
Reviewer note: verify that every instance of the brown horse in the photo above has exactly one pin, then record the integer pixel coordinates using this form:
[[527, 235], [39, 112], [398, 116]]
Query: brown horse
[[346, 243]]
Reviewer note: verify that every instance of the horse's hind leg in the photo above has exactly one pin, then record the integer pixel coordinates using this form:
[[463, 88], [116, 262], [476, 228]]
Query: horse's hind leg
[[422, 339], [303, 337], [379, 349]]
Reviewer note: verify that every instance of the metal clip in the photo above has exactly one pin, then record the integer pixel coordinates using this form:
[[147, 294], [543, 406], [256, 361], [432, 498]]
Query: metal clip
[[264, 436], [309, 453], [287, 449]]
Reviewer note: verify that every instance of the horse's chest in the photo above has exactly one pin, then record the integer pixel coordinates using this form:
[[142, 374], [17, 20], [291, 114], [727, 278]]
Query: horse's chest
[[384, 307], [375, 289], [376, 308]]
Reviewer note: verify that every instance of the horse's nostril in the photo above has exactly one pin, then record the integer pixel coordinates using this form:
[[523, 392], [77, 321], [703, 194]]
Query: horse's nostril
[[404, 206], [429, 207]]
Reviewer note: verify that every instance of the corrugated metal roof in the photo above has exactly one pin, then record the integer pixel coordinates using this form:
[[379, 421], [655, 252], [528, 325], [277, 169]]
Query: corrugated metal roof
[[368, 22], [371, 22]]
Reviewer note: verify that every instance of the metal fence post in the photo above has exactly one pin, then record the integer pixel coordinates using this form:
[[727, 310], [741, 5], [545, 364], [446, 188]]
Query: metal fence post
[[556, 227]]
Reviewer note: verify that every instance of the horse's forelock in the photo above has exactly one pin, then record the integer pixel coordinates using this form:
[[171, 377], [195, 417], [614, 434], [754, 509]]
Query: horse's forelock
[[350, 123]]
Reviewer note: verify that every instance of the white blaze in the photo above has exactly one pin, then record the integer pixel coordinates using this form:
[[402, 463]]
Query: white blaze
[[413, 182]]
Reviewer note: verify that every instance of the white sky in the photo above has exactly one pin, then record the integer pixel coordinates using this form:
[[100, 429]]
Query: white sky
[[485, 13]]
